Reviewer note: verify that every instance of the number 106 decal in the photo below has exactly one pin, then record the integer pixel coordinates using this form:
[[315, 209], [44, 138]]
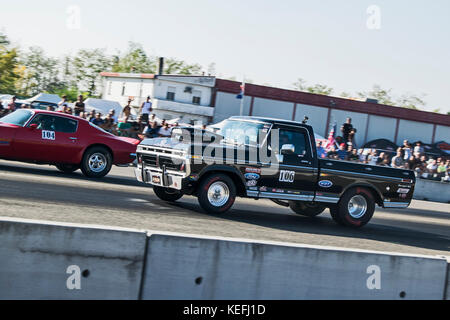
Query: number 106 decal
[[48, 135], [287, 176]]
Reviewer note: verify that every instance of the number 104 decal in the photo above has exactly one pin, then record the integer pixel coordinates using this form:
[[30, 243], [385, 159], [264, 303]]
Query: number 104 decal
[[48, 135], [287, 176]]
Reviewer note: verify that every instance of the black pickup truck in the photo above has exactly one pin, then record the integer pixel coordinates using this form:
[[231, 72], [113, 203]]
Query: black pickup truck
[[267, 158]]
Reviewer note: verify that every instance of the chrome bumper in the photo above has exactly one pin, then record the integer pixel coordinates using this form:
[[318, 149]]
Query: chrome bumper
[[159, 178]]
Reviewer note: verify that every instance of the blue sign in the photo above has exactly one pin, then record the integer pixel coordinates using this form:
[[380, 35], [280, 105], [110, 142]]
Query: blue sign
[[325, 183], [252, 176]]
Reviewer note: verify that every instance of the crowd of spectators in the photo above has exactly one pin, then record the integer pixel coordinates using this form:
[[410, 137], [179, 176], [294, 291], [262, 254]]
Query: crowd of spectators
[[405, 157]]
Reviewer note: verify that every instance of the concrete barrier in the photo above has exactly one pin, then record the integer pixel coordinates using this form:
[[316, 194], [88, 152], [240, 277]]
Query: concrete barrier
[[43, 260], [182, 267], [35, 259], [432, 190]]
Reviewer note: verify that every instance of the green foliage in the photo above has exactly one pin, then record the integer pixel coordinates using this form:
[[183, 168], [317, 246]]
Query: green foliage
[[87, 65], [135, 60], [40, 74], [175, 66], [301, 85], [8, 66]]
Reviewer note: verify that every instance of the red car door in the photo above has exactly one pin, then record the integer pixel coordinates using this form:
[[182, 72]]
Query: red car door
[[49, 138], [7, 133]]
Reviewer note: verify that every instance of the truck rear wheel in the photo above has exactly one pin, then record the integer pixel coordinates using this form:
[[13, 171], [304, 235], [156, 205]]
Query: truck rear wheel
[[356, 207], [216, 193], [167, 194], [308, 209]]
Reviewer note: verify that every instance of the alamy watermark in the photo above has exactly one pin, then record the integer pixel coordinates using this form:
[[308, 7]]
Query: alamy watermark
[[373, 21], [73, 21]]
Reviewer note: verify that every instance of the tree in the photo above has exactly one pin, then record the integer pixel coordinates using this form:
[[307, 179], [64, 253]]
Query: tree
[[411, 101], [87, 65], [175, 66], [134, 60], [40, 73], [301, 85], [382, 95], [8, 66]]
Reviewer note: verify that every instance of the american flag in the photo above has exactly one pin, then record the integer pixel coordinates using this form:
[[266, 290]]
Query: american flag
[[331, 141], [241, 94]]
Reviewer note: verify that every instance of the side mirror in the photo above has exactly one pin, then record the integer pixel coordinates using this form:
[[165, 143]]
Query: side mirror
[[287, 149], [33, 126]]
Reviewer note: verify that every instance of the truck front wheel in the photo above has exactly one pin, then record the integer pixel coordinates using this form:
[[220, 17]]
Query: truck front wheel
[[216, 193], [307, 209], [356, 208], [167, 194]]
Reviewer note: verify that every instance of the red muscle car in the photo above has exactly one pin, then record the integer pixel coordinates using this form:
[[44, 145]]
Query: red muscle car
[[68, 142]]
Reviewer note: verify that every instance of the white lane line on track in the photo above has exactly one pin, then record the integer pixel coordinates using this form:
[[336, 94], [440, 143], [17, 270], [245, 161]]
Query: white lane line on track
[[147, 202]]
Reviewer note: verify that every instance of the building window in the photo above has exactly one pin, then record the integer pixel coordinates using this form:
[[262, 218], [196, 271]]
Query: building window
[[171, 93], [196, 97]]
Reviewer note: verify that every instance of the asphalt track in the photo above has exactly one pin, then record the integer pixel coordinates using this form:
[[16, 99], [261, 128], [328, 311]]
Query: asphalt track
[[43, 193]]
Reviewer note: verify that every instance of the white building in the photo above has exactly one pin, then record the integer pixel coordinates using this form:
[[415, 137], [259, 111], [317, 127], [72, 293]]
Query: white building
[[173, 96]]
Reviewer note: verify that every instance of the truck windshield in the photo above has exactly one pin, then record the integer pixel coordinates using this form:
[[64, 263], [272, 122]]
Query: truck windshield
[[18, 118], [243, 132]]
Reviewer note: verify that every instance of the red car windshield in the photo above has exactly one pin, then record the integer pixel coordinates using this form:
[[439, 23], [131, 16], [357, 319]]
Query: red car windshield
[[18, 118]]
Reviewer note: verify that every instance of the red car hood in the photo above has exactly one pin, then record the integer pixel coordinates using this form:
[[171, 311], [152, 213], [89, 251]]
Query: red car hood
[[129, 140]]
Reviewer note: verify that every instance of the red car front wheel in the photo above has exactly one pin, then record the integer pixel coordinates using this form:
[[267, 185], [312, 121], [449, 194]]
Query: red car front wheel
[[97, 162]]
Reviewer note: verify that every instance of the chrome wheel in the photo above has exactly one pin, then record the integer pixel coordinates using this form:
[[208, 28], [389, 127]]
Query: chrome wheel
[[218, 194], [357, 206], [97, 162]]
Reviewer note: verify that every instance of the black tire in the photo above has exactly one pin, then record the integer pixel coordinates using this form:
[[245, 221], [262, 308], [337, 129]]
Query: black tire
[[364, 204], [334, 212], [307, 209], [99, 153], [67, 168], [220, 182], [167, 194]]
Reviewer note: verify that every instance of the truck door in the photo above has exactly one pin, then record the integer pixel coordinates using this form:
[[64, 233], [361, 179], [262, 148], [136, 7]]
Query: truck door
[[296, 176]]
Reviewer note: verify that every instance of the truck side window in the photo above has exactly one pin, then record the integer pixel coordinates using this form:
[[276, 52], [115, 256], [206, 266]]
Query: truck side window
[[296, 138]]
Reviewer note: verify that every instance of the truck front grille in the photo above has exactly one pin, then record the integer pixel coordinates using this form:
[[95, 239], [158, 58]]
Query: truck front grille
[[168, 162], [158, 161]]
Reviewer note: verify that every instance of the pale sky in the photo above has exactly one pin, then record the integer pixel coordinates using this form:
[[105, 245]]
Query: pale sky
[[270, 42]]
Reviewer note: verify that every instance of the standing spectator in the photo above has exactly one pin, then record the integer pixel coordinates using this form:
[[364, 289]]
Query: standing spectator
[[12, 104], [109, 124], [346, 128], [407, 150], [353, 156], [165, 131], [112, 112], [91, 116], [321, 153], [146, 109], [79, 105], [98, 121], [373, 157], [126, 111], [418, 149], [397, 161], [50, 108], [342, 152], [63, 104], [432, 166]]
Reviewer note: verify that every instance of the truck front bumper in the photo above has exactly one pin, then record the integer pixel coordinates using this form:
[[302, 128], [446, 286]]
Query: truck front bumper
[[158, 177]]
